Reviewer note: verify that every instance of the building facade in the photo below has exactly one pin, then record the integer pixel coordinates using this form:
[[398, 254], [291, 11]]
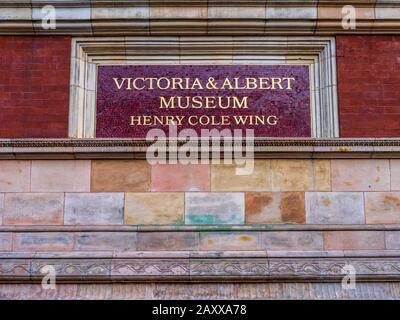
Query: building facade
[[320, 205]]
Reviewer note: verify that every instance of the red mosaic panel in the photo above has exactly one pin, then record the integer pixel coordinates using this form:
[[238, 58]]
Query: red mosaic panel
[[116, 104]]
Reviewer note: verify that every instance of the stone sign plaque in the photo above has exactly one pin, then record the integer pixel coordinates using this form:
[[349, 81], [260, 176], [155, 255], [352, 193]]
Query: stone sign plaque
[[274, 100]]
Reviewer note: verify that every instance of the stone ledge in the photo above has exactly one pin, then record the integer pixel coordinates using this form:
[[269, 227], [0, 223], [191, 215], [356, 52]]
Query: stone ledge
[[219, 17], [136, 149], [203, 228], [240, 266], [204, 291]]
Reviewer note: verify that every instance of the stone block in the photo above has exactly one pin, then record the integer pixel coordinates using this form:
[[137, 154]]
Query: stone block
[[230, 241], [335, 13], [131, 12], [275, 207], [360, 175], [154, 208], [387, 13], [105, 241], [179, 177], [1, 207], [395, 174], [167, 241], [371, 240], [293, 240], [15, 175], [94, 208], [214, 208], [224, 178], [300, 175], [236, 12], [43, 241], [297, 13], [120, 176], [335, 208], [60, 176], [33, 209], [180, 12], [382, 207], [5, 241], [392, 240]]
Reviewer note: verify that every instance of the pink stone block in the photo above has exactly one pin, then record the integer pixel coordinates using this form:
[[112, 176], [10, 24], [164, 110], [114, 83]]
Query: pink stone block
[[395, 174], [43, 241], [60, 175], [15, 175], [179, 177], [5, 241], [371, 240], [1, 207], [33, 209], [360, 175], [221, 241]]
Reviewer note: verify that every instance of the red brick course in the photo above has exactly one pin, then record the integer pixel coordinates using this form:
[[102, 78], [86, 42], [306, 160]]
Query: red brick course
[[369, 85], [34, 86]]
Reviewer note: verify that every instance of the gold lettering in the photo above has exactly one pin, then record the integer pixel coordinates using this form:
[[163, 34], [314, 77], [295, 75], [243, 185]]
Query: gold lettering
[[164, 104], [119, 86]]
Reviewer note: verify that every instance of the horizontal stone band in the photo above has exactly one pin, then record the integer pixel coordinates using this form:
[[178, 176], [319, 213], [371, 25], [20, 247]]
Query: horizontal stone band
[[183, 266], [136, 149], [96, 17]]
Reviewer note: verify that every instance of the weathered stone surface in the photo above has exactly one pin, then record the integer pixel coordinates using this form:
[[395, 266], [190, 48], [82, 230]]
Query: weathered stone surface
[[275, 207], [382, 207], [15, 175], [60, 175], [204, 291], [94, 208], [167, 241], [300, 12], [395, 174], [179, 177], [43, 241], [180, 12], [293, 240], [33, 209], [300, 175], [214, 208], [154, 208], [360, 175], [5, 241], [392, 240], [335, 208], [230, 241], [1, 207], [224, 178], [354, 240], [105, 241], [120, 176]]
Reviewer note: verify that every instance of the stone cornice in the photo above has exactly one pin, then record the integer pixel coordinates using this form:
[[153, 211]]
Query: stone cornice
[[136, 149], [199, 17], [243, 266]]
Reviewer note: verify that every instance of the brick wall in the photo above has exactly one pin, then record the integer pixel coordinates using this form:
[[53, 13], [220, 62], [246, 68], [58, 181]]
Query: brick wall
[[34, 86], [369, 83]]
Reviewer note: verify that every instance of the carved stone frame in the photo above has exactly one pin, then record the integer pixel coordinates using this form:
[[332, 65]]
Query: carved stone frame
[[318, 53]]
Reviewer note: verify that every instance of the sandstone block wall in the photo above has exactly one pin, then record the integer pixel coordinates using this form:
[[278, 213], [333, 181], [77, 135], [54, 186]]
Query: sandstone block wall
[[114, 194]]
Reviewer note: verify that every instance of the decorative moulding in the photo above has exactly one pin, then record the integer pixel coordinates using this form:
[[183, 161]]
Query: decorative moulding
[[316, 52], [240, 266], [136, 149]]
